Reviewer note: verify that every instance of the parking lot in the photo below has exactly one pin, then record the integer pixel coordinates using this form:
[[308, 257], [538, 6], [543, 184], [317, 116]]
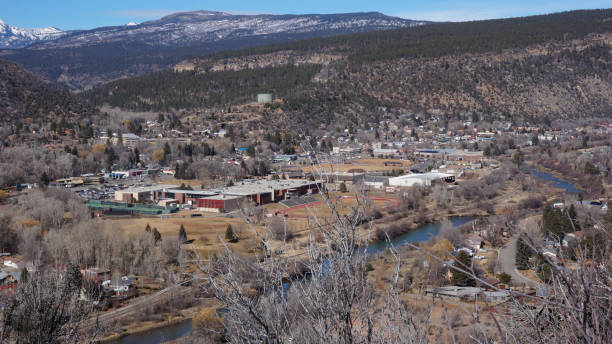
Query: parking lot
[[107, 190]]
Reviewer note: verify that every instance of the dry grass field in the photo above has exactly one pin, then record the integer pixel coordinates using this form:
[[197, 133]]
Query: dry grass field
[[205, 230], [208, 231], [344, 206], [369, 165]]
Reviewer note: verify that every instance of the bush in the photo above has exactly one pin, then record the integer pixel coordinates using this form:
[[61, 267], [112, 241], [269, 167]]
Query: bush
[[504, 278], [208, 320], [533, 202]]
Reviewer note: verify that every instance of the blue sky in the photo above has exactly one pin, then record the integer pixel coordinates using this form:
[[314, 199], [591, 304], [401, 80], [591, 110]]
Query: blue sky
[[85, 14]]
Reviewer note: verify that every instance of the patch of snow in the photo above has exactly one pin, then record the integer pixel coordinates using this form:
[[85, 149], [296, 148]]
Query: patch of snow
[[16, 37]]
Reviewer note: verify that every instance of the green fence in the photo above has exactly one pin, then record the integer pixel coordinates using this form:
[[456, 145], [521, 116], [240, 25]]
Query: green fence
[[129, 208]]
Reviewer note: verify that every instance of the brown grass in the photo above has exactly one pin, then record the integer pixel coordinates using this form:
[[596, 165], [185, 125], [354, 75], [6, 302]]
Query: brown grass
[[205, 230], [369, 165]]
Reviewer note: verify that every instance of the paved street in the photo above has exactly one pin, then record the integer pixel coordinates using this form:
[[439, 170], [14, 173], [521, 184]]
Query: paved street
[[506, 261]]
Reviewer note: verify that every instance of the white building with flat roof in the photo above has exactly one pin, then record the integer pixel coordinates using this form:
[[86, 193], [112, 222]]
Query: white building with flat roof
[[140, 194], [424, 179]]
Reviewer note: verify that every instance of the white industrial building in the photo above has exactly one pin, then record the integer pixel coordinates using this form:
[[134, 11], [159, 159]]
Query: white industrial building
[[424, 179]]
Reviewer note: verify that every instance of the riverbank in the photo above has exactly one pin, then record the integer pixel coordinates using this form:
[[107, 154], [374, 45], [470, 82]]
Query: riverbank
[[410, 224], [149, 327], [557, 177], [413, 229]]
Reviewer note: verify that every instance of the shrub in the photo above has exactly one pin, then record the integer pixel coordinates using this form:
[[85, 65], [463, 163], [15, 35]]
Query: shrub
[[533, 202], [208, 320], [504, 278]]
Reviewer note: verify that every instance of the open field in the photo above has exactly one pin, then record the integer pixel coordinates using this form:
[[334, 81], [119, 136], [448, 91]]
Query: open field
[[344, 204], [205, 230], [369, 165], [208, 231]]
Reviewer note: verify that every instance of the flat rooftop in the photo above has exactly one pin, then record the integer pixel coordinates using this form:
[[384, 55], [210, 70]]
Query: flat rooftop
[[424, 176], [147, 188], [449, 151], [224, 197], [192, 192], [256, 186]]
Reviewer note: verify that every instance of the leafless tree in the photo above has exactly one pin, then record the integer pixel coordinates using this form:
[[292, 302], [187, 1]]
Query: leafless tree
[[280, 229], [269, 299], [577, 304], [31, 245], [45, 309], [441, 196], [452, 234]]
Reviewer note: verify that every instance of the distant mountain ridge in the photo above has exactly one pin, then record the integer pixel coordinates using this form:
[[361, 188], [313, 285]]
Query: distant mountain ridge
[[90, 57], [546, 66], [13, 37]]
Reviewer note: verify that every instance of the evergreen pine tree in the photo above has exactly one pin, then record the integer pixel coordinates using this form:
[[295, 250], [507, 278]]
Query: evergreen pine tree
[[44, 179], [522, 255], [177, 171], [156, 235], [462, 261], [182, 235], [24, 276], [167, 150], [229, 234], [74, 279]]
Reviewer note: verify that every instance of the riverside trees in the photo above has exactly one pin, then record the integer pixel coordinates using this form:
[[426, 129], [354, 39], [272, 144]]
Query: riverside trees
[[324, 295], [336, 303]]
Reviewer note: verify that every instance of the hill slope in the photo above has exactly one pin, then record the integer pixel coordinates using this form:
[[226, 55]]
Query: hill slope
[[85, 58], [552, 65], [23, 95]]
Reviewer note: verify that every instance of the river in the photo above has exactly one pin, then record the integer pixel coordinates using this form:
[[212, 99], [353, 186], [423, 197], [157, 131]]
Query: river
[[569, 187], [420, 234], [183, 328], [158, 335]]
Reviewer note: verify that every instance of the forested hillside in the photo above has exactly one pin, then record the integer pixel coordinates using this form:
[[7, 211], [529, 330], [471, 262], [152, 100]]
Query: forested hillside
[[552, 65], [23, 95], [450, 38], [86, 58], [167, 90]]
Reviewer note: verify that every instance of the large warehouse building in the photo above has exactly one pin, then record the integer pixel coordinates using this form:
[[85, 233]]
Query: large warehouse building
[[259, 191], [262, 191], [425, 179]]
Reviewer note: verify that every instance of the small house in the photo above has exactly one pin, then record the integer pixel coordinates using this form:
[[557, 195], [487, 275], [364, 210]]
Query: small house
[[475, 242]]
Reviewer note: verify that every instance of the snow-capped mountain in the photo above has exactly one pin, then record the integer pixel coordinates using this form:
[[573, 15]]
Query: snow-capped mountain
[[89, 57], [13, 37], [186, 28]]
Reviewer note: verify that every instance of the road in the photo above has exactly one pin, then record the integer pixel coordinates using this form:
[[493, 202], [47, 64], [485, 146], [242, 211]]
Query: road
[[507, 261], [143, 301]]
